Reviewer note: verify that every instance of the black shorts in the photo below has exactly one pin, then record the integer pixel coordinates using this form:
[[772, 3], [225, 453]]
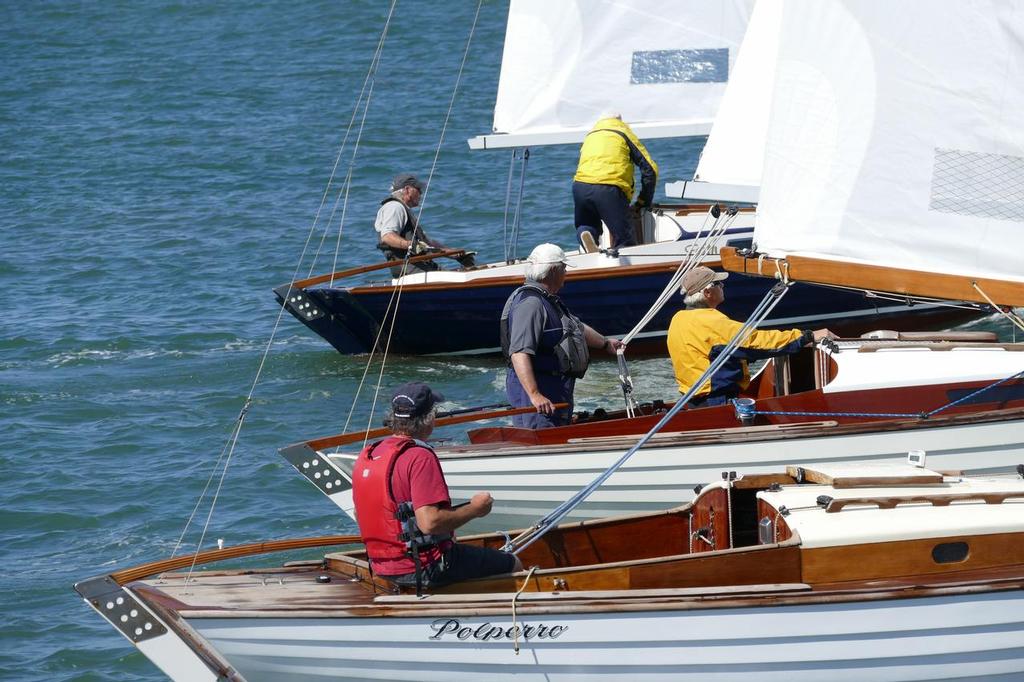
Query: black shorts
[[461, 562]]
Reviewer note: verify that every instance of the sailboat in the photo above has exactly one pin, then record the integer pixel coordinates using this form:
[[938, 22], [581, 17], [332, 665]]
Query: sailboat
[[664, 67], [892, 572], [846, 570], [956, 395]]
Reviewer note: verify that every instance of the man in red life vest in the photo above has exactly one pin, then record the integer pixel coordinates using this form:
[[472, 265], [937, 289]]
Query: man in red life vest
[[404, 510]]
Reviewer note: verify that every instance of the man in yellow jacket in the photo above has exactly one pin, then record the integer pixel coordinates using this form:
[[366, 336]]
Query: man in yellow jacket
[[603, 185], [698, 334]]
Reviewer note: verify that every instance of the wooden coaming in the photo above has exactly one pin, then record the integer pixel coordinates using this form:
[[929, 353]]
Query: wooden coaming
[[910, 558]]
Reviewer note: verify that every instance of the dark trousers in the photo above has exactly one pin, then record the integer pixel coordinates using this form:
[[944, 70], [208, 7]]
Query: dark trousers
[[596, 203], [460, 562], [557, 389]]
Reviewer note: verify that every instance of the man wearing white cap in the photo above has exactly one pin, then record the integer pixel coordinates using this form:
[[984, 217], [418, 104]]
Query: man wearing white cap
[[546, 346], [699, 333]]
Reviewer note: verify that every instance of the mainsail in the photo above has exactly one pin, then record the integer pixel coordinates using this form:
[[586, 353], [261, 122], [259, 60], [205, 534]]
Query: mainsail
[[661, 64], [894, 154]]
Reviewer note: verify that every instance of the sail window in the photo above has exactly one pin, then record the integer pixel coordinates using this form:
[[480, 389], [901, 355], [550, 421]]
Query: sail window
[[980, 185], [950, 552], [680, 66]]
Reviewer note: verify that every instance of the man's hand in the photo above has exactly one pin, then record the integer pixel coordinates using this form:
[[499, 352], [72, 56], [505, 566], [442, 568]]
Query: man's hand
[[543, 405], [481, 504], [612, 345], [820, 334]]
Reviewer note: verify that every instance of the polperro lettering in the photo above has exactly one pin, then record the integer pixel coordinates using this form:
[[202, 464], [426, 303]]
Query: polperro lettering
[[452, 628]]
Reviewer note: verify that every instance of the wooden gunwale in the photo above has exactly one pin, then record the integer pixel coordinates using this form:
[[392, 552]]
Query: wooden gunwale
[[207, 556], [876, 278], [355, 436], [850, 593], [610, 272], [737, 435], [351, 272]]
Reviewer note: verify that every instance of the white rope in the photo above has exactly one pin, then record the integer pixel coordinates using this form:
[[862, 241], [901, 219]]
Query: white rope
[[701, 247], [423, 205], [760, 313], [694, 257], [1013, 317], [366, 87], [228, 451], [515, 597]]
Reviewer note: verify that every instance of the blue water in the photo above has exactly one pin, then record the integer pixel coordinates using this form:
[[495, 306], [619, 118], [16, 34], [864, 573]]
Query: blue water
[[162, 163]]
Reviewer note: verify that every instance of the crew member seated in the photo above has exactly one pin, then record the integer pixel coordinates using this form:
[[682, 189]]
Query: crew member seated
[[404, 509], [399, 231]]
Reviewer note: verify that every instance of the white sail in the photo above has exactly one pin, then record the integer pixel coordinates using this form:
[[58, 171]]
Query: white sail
[[730, 165], [895, 137], [661, 64]]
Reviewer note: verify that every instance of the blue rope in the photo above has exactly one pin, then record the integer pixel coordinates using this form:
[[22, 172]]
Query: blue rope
[[919, 415]]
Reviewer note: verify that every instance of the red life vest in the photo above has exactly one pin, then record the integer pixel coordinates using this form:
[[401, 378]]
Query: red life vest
[[374, 500]]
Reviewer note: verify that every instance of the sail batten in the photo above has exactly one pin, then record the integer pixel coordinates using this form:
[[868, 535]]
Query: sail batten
[[894, 141], [661, 64]]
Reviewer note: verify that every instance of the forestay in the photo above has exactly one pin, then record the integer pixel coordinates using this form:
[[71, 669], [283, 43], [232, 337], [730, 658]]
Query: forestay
[[895, 137], [661, 64]]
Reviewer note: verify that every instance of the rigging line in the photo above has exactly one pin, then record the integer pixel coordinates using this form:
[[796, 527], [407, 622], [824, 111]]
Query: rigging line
[[220, 485], [419, 221], [703, 245], [508, 201], [370, 72], [199, 501], [369, 363], [1013, 317], [764, 308], [230, 445], [451, 106], [348, 185]]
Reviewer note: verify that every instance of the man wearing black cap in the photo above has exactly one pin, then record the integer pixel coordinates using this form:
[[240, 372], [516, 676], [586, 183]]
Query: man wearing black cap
[[398, 228], [698, 334], [403, 506]]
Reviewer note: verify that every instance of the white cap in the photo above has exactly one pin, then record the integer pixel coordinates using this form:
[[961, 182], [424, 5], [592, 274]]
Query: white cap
[[548, 253]]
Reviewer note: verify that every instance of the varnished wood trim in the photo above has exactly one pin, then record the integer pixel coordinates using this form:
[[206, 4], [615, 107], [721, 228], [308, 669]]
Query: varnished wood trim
[[892, 501], [909, 558], [355, 436], [210, 555], [610, 272], [877, 278], [351, 272]]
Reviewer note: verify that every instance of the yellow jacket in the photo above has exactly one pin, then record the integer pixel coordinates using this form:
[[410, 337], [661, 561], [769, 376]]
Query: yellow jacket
[[608, 155], [697, 336]]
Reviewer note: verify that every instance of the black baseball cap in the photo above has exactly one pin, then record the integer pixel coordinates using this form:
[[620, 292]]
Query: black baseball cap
[[406, 180], [414, 399]]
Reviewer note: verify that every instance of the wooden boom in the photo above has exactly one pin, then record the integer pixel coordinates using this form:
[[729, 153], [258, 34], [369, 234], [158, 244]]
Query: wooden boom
[[876, 278]]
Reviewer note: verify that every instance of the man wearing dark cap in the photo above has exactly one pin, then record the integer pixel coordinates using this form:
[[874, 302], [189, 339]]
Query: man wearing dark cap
[[699, 333], [403, 506], [398, 228]]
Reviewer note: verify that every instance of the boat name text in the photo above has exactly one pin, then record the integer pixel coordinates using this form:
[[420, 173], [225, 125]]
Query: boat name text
[[488, 631]]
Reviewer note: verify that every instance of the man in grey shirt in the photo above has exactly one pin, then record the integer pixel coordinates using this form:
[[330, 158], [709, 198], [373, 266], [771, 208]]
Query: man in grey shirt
[[532, 330], [398, 228]]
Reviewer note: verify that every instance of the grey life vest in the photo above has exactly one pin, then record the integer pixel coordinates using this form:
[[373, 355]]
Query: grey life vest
[[563, 354]]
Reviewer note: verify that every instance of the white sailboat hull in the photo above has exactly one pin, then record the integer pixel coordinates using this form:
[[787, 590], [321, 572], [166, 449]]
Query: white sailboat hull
[[529, 482], [958, 636]]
